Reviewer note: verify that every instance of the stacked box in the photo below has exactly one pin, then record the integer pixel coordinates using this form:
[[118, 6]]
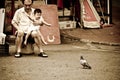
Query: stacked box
[[4, 49], [67, 24]]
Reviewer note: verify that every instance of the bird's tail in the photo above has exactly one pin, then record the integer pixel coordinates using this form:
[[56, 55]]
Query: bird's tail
[[89, 67]]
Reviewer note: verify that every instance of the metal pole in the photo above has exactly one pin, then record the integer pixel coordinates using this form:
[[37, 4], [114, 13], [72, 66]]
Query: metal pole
[[108, 10], [46, 1]]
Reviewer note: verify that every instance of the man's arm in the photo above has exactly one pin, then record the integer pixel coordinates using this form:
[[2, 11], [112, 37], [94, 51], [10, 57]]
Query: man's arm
[[15, 20], [15, 25]]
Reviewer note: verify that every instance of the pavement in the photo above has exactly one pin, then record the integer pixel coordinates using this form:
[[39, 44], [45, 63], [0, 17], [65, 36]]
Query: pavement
[[63, 63], [109, 35]]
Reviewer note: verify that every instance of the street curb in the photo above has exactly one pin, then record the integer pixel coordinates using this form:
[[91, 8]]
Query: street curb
[[66, 36]]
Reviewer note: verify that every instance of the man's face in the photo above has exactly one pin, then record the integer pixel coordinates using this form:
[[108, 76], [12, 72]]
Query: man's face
[[27, 5], [37, 16]]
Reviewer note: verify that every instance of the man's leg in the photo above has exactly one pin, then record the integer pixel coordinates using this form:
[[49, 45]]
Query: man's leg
[[37, 39], [19, 40]]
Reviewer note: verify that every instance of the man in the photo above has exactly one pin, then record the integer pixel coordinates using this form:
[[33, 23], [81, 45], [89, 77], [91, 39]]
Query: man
[[22, 22]]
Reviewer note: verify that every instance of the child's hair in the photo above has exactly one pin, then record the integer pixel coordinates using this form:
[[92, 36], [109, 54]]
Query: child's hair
[[37, 11]]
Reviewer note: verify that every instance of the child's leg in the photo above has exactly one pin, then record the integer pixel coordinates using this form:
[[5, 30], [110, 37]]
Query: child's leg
[[42, 38], [26, 37]]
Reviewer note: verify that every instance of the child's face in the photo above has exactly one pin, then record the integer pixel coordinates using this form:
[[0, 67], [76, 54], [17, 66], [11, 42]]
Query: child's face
[[37, 16]]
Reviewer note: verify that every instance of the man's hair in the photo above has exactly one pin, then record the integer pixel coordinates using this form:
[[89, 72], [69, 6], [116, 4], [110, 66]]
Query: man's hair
[[37, 11], [24, 0]]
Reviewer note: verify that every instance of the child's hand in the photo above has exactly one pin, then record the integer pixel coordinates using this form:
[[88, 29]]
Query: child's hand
[[49, 25]]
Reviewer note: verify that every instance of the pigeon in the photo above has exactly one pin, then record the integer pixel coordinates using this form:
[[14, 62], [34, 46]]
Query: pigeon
[[84, 63]]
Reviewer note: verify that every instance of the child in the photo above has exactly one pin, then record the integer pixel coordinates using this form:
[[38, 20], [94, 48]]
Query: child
[[37, 20]]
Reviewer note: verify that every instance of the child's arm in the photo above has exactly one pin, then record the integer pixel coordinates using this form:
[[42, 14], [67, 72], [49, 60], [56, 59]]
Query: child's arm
[[41, 22], [44, 22]]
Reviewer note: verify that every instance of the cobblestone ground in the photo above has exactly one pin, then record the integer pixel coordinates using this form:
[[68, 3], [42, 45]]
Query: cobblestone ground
[[63, 64]]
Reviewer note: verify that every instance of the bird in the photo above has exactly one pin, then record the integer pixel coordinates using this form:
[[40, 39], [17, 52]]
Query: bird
[[84, 63]]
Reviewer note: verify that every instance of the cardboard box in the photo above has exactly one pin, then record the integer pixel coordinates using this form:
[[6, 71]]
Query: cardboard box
[[67, 24], [2, 38]]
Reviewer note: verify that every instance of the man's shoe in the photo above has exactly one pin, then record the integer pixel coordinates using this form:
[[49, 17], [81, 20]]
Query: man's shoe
[[18, 55], [42, 54]]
